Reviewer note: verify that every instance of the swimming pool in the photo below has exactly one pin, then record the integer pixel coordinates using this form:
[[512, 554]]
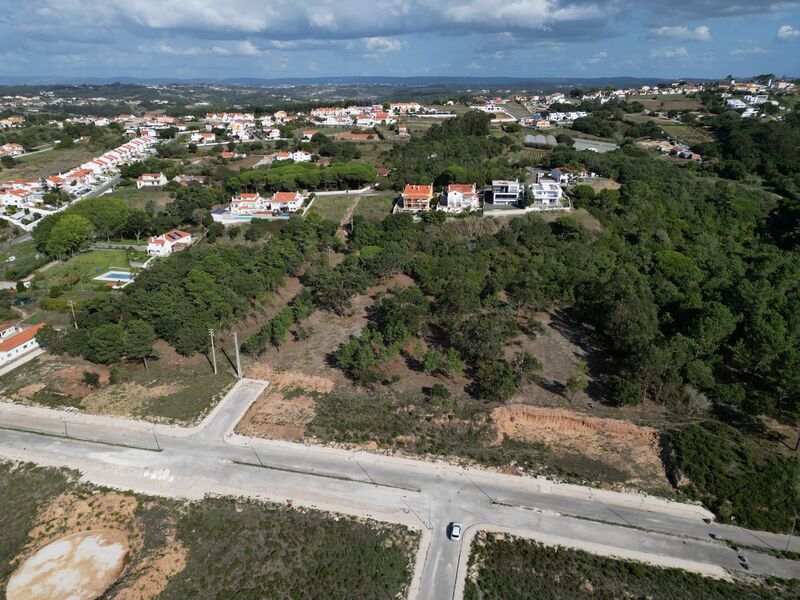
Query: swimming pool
[[121, 278]]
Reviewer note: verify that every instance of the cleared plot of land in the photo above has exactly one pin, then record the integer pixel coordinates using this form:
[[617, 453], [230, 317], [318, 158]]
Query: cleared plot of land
[[686, 134], [667, 102], [332, 207], [185, 550], [172, 389], [134, 198], [375, 207], [51, 162], [503, 566]]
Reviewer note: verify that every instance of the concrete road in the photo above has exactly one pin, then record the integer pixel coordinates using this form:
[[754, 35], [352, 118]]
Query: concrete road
[[103, 188], [427, 495]]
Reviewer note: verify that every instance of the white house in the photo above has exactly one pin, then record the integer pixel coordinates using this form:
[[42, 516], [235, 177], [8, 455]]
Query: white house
[[169, 242], [735, 104], [248, 204], [506, 192], [203, 137], [404, 107], [301, 156], [460, 197], [16, 342], [272, 133], [546, 192], [11, 149], [286, 201], [150, 180]]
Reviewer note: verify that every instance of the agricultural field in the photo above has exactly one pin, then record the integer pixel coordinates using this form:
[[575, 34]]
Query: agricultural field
[[50, 162], [173, 388], [674, 129], [502, 566], [665, 102], [180, 550]]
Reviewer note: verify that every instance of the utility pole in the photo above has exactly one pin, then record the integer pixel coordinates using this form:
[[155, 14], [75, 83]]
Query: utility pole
[[72, 308], [213, 353], [238, 360], [789, 541]]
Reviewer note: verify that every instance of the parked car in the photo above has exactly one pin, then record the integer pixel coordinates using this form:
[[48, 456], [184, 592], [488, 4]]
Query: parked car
[[454, 530]]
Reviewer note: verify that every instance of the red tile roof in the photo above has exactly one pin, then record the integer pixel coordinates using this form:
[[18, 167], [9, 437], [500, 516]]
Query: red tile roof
[[285, 196], [20, 338], [418, 192]]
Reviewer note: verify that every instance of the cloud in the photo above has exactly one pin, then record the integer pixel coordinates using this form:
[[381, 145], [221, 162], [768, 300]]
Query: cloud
[[679, 52], [700, 9], [681, 32], [382, 45], [787, 32], [748, 51]]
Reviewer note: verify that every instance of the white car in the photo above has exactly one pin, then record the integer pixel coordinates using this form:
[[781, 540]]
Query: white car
[[454, 531], [11, 259]]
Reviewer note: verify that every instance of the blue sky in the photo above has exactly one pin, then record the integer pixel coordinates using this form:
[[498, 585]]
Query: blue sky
[[307, 38]]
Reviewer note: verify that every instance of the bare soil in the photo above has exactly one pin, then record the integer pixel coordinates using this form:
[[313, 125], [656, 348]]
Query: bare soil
[[150, 567], [621, 444]]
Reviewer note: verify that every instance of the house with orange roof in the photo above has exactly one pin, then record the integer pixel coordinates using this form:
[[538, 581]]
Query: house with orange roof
[[286, 202], [248, 204], [16, 342], [416, 198], [12, 149], [169, 242]]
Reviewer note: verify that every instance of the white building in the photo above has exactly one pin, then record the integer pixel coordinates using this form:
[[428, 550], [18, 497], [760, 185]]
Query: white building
[[460, 198], [16, 341], [150, 180], [506, 192], [169, 242], [546, 192]]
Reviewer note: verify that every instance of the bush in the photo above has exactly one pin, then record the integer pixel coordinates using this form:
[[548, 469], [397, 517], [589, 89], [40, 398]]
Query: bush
[[91, 378], [624, 391], [55, 291]]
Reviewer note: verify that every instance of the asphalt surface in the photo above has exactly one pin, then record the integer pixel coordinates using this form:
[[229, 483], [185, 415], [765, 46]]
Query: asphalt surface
[[423, 494]]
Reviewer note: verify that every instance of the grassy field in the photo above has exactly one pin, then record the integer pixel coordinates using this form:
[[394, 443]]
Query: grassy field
[[683, 133], [667, 102], [506, 567], [332, 207], [26, 260], [51, 162], [84, 267], [214, 548], [134, 198], [375, 208]]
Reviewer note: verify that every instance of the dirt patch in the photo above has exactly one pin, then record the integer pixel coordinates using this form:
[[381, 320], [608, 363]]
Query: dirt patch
[[126, 399], [284, 410], [150, 565], [621, 444], [80, 566]]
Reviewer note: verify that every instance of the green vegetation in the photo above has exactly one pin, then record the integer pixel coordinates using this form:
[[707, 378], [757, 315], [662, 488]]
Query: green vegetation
[[278, 552], [24, 489], [507, 567], [26, 260], [375, 208], [737, 477], [295, 176], [281, 553], [332, 207], [83, 268]]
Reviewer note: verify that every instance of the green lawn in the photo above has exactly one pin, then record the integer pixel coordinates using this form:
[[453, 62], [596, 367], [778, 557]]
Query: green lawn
[[84, 267], [134, 198], [375, 208], [667, 102], [506, 567]]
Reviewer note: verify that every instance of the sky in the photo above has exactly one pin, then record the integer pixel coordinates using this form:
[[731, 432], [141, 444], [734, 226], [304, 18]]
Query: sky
[[217, 39]]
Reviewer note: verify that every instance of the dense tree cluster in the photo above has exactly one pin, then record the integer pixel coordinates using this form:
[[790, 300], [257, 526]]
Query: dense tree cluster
[[288, 176]]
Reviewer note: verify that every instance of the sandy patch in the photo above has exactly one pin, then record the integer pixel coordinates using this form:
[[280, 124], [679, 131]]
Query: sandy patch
[[80, 566], [148, 570], [624, 445], [27, 392]]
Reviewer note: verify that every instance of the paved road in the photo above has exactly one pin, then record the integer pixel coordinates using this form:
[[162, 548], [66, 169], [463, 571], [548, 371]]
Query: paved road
[[103, 188], [426, 495]]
